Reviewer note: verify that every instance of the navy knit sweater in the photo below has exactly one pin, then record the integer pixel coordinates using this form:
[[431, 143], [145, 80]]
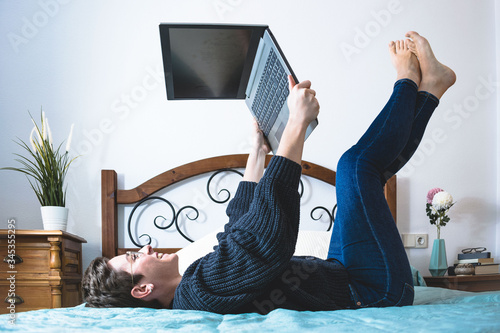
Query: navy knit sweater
[[253, 268]]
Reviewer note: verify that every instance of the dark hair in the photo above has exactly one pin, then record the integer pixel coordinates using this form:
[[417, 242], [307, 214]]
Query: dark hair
[[103, 287]]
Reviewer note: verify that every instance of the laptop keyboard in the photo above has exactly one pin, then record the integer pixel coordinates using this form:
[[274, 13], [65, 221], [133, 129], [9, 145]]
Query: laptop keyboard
[[271, 93]]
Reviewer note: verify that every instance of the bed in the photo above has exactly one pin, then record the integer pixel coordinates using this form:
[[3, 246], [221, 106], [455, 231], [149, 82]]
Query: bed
[[434, 309]]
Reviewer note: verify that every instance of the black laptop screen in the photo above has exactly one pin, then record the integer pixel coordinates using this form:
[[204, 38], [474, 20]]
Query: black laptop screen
[[206, 63]]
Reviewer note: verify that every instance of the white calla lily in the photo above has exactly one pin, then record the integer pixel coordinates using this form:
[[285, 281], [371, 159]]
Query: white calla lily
[[68, 143], [31, 139], [49, 132], [37, 131], [44, 126]]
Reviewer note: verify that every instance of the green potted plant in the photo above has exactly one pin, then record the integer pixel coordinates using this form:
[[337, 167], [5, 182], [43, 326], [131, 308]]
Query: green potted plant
[[46, 168]]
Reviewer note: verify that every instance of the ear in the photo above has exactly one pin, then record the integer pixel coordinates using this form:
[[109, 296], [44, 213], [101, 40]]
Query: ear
[[141, 291]]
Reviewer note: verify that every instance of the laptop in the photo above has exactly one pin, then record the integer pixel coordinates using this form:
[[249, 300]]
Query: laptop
[[221, 61]]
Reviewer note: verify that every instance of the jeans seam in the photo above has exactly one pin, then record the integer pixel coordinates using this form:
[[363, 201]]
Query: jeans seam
[[404, 293], [355, 296], [408, 81], [429, 95]]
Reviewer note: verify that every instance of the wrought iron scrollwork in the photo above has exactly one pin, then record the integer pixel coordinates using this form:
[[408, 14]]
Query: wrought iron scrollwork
[[223, 190], [190, 218], [176, 215], [301, 186], [174, 221], [330, 215]]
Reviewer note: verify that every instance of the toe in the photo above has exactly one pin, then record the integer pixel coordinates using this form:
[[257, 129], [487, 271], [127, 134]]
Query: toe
[[392, 47], [399, 46], [412, 34], [411, 45]]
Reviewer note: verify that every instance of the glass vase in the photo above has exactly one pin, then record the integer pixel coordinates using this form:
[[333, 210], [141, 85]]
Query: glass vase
[[438, 264]]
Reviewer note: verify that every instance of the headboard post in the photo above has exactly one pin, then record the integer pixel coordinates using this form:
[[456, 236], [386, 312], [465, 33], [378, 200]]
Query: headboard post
[[109, 213]]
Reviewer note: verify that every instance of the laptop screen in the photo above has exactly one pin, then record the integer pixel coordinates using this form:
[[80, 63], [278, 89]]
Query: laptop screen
[[207, 62]]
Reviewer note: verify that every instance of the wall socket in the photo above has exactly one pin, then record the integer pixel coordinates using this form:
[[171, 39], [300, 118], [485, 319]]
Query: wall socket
[[419, 241]]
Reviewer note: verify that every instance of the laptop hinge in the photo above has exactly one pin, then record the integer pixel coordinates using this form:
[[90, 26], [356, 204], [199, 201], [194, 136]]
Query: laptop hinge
[[255, 66]]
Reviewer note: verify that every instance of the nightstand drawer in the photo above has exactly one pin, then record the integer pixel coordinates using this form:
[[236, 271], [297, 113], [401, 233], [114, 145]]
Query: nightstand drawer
[[34, 259], [31, 297]]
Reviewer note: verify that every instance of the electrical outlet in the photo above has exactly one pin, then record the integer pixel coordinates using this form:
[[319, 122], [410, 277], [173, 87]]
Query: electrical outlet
[[421, 241]]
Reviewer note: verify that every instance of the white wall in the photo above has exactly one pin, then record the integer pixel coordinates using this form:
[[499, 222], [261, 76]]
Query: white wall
[[497, 30], [98, 64]]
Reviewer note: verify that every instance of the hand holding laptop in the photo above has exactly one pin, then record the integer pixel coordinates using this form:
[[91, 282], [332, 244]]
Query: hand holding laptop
[[304, 108], [302, 102]]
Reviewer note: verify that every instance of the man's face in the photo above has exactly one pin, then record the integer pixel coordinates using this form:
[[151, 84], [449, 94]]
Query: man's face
[[157, 268]]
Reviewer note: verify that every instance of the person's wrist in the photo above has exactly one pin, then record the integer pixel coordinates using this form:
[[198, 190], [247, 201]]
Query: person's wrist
[[297, 124], [258, 151]]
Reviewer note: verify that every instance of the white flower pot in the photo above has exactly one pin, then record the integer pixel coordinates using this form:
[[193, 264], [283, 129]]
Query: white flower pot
[[54, 217]]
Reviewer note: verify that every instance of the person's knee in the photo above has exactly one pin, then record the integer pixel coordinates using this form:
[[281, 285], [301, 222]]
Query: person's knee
[[356, 164], [348, 161]]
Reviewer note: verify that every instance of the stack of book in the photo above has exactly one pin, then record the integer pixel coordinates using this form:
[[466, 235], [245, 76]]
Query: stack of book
[[482, 261]]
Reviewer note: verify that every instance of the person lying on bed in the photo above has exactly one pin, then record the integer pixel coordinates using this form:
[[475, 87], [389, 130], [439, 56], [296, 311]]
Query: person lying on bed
[[253, 268]]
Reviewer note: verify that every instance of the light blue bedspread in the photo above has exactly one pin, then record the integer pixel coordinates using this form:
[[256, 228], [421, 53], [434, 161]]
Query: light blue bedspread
[[435, 310]]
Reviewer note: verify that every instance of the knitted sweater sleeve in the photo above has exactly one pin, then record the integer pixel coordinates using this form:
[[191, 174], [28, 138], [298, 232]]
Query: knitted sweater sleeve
[[240, 204], [255, 248]]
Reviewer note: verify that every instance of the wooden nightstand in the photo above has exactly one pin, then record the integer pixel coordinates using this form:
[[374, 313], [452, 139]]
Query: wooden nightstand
[[465, 282], [48, 271]]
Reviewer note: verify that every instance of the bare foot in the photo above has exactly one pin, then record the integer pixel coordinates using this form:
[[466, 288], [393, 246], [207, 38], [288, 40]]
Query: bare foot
[[405, 61], [436, 77]]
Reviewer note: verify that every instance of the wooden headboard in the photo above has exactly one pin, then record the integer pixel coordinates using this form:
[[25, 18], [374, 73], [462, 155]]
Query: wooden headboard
[[112, 196]]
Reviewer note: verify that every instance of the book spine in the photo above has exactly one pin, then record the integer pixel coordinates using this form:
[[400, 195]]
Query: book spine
[[487, 269], [475, 261], [475, 255]]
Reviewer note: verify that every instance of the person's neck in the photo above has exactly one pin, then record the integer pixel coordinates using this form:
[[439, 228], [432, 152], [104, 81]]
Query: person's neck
[[167, 295]]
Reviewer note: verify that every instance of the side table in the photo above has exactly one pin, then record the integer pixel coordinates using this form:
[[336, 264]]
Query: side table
[[465, 282], [39, 269]]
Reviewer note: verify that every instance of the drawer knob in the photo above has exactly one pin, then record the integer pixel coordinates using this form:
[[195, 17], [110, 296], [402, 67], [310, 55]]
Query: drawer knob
[[16, 258], [14, 299]]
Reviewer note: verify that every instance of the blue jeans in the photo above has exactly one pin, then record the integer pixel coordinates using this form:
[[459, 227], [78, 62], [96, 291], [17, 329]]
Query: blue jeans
[[365, 238]]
